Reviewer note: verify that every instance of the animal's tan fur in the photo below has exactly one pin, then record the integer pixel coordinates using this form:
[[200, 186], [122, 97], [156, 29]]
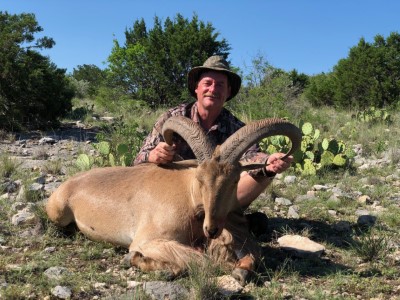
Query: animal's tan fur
[[165, 215]]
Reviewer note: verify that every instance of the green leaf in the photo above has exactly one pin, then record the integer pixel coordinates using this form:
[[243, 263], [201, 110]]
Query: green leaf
[[316, 134], [122, 149], [83, 162], [307, 128], [325, 144], [104, 148], [111, 160], [309, 168], [339, 160], [327, 158]]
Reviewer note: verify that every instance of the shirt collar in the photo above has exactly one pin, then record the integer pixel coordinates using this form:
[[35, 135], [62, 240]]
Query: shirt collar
[[194, 114]]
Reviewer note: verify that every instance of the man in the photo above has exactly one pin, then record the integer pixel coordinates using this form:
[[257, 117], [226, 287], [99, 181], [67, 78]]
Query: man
[[212, 85]]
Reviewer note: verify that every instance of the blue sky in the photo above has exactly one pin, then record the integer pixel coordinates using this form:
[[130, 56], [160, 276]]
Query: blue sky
[[307, 35]]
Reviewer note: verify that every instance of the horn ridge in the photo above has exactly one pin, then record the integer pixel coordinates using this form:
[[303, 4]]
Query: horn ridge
[[234, 147], [191, 132]]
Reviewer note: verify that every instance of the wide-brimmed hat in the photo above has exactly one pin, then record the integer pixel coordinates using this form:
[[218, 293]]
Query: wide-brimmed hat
[[214, 63]]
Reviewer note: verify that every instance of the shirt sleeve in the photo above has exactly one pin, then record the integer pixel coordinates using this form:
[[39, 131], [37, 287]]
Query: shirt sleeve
[[255, 155], [152, 140]]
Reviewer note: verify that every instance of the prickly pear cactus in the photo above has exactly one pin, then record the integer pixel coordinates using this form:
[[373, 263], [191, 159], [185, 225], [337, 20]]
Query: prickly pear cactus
[[327, 158], [325, 144], [84, 162], [307, 128], [374, 115], [349, 153], [340, 160], [313, 154], [107, 156], [316, 134], [308, 167], [310, 155], [103, 148], [333, 146]]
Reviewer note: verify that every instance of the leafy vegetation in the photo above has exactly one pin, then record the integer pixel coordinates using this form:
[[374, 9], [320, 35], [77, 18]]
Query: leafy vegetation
[[91, 77], [270, 92], [367, 77], [374, 115], [33, 91], [312, 156], [152, 65]]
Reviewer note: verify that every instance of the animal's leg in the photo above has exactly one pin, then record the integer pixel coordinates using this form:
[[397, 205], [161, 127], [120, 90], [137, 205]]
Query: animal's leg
[[246, 248], [222, 250], [236, 246], [58, 210], [164, 255]]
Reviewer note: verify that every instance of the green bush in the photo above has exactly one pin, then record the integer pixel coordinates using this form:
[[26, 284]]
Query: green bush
[[367, 77], [34, 92]]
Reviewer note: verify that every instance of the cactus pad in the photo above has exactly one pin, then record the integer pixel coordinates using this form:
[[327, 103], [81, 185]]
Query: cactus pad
[[327, 158], [104, 148], [307, 128], [339, 160]]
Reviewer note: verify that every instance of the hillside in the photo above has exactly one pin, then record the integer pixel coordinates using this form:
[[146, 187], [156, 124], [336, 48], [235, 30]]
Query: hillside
[[353, 213]]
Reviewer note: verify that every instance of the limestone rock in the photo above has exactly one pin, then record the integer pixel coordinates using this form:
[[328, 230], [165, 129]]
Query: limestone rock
[[301, 246], [228, 286]]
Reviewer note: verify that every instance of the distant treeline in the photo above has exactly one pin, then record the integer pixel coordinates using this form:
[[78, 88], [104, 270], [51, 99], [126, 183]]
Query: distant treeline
[[149, 70]]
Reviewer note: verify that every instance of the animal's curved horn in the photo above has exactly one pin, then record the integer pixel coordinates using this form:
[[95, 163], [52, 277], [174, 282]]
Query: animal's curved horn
[[234, 147], [191, 132]]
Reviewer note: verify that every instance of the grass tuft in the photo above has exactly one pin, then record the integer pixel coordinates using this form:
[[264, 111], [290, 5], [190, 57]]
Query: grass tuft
[[371, 245]]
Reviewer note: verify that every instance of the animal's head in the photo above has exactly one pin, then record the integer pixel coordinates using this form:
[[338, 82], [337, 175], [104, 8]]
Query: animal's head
[[218, 172], [215, 185]]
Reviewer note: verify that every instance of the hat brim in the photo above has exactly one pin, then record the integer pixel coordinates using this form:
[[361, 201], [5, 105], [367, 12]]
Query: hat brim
[[194, 74]]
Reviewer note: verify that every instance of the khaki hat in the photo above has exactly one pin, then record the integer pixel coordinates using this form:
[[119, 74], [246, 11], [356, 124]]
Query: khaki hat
[[214, 63]]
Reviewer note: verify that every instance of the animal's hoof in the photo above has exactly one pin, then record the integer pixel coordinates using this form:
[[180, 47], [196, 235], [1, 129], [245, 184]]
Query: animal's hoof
[[241, 275], [129, 258]]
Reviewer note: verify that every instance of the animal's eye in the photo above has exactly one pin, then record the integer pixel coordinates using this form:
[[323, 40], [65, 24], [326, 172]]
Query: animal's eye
[[200, 216]]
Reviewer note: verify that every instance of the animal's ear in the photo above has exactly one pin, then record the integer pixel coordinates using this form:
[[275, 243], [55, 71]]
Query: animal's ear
[[190, 163], [247, 166], [217, 153]]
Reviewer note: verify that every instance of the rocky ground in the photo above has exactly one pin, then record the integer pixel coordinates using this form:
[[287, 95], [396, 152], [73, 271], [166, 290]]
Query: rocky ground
[[35, 151]]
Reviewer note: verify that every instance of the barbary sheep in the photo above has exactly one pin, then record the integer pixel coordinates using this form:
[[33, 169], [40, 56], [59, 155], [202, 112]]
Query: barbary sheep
[[169, 215]]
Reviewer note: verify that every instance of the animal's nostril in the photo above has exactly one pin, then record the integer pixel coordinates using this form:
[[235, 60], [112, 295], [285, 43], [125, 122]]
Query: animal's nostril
[[212, 232]]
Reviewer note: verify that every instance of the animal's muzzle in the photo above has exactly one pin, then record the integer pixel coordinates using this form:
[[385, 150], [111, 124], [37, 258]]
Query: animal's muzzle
[[212, 232]]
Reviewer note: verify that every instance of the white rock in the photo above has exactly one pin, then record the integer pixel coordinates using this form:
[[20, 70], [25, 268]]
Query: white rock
[[301, 246], [290, 179], [283, 201], [61, 292], [227, 285]]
